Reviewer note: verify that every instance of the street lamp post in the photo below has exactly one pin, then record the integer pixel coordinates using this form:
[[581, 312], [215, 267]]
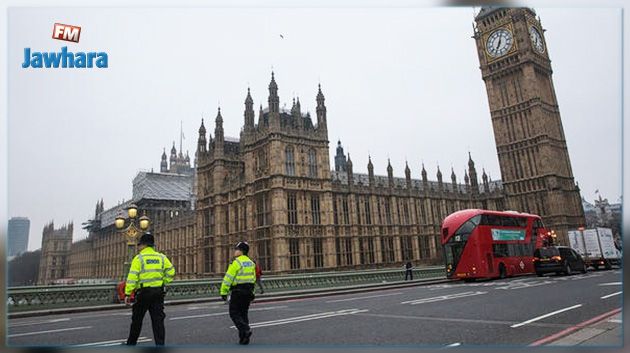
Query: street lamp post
[[131, 231], [550, 239]]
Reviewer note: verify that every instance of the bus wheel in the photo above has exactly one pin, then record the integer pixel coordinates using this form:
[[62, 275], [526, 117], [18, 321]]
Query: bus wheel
[[502, 273]]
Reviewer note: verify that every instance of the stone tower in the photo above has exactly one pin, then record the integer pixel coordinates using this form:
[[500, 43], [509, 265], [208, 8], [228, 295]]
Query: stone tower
[[55, 253], [531, 146], [340, 158], [251, 188]]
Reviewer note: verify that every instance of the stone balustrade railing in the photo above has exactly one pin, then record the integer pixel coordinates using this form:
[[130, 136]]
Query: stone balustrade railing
[[59, 296]]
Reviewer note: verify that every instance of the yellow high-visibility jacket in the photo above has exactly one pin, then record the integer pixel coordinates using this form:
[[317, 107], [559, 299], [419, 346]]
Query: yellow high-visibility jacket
[[242, 270], [149, 269]]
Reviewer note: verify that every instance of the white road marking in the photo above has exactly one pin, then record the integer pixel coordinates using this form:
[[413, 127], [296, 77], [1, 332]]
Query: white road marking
[[615, 321], [577, 277], [611, 295], [457, 320], [610, 284], [125, 340], [197, 316], [371, 296], [454, 344], [49, 331], [224, 313], [545, 316], [521, 285], [291, 320], [39, 322], [205, 306], [442, 297], [110, 343]]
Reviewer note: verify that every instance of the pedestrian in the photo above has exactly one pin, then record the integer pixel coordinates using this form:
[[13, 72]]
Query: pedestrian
[[150, 271], [259, 278], [238, 282], [408, 270]]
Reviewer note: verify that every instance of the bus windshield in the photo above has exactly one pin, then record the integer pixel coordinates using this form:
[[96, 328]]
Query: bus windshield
[[455, 245]]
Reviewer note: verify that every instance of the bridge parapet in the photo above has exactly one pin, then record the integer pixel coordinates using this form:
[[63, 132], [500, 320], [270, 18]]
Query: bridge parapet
[[60, 296]]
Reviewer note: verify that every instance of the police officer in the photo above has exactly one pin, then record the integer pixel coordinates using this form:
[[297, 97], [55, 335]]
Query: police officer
[[239, 280], [150, 271]]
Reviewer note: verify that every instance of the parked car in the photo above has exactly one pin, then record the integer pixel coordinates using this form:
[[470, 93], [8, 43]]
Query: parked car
[[558, 259]]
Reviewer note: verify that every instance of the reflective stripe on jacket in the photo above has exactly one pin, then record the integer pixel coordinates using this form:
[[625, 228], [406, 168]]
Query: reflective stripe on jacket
[[242, 270], [149, 269]]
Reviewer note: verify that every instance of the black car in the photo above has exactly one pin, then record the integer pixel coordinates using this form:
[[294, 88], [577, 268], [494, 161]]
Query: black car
[[558, 259]]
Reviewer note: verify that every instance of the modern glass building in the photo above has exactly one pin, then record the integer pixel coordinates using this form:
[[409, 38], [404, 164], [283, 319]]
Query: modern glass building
[[18, 235]]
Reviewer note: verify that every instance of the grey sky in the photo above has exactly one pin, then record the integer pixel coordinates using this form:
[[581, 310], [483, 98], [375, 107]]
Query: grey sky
[[399, 83]]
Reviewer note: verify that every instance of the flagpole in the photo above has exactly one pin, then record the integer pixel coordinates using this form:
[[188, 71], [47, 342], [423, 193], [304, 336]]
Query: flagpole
[[181, 136]]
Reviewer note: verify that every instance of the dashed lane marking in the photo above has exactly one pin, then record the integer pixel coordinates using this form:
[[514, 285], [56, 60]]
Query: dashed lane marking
[[368, 297], [49, 331], [110, 343], [39, 322], [456, 320], [224, 313], [521, 285], [610, 295], [442, 297], [546, 315], [292, 320]]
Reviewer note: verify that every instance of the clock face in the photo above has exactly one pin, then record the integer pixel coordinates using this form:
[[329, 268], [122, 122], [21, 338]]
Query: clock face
[[537, 40], [499, 43]]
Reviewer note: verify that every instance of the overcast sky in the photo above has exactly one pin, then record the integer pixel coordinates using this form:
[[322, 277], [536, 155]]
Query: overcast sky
[[399, 83]]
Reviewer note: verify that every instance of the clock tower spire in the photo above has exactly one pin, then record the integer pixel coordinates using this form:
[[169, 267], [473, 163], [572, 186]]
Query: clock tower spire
[[532, 149]]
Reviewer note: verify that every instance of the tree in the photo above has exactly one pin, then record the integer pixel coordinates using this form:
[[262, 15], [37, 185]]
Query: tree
[[23, 269]]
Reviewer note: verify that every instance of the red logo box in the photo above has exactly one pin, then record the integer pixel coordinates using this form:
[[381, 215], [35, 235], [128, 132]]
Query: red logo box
[[69, 33]]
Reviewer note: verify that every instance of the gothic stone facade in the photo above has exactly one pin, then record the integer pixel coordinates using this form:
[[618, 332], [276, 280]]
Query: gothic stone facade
[[274, 188], [56, 243]]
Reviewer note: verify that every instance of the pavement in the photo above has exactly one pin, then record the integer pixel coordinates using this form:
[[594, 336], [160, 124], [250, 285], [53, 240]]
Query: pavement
[[605, 332], [582, 309]]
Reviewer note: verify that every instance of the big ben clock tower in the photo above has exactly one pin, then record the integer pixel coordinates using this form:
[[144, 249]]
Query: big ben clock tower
[[531, 146]]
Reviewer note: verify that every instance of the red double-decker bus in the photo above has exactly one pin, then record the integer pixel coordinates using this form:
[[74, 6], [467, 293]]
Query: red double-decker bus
[[490, 244]]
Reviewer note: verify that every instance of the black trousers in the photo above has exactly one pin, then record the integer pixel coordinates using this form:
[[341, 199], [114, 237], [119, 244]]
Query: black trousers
[[151, 299], [409, 273], [240, 298]]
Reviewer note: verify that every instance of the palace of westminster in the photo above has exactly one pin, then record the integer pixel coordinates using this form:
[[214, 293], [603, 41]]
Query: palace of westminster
[[274, 186]]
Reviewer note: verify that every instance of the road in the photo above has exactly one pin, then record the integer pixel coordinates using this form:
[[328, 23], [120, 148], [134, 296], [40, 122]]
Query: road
[[514, 311]]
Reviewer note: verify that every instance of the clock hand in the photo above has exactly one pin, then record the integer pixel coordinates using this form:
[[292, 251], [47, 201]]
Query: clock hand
[[499, 43]]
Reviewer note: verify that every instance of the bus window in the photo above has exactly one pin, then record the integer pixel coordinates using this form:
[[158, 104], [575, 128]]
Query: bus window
[[500, 250], [490, 220], [464, 231], [504, 221]]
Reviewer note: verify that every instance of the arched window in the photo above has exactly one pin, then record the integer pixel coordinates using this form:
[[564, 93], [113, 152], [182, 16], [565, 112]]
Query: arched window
[[312, 163], [290, 160]]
